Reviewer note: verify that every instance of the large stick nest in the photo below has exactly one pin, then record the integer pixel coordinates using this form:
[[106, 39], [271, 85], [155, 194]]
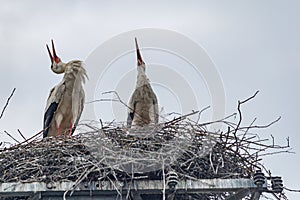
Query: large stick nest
[[116, 152]]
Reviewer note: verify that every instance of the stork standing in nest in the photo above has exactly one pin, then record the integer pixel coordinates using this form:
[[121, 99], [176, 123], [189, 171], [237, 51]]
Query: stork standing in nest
[[143, 106], [66, 100]]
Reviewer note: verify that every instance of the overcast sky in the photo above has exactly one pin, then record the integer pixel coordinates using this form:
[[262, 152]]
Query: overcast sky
[[253, 44]]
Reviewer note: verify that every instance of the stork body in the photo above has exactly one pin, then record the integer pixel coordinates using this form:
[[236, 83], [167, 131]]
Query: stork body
[[66, 100], [143, 105]]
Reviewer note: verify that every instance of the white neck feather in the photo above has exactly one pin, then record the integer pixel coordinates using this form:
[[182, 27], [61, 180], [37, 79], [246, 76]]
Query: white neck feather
[[75, 70], [141, 79]]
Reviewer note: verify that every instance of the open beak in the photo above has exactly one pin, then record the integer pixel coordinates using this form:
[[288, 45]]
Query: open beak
[[54, 58], [138, 53]]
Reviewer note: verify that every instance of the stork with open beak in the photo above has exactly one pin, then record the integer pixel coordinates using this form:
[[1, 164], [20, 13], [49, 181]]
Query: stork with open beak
[[66, 100], [143, 105]]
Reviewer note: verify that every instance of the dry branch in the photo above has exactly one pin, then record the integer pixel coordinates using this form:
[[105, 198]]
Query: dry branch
[[7, 101]]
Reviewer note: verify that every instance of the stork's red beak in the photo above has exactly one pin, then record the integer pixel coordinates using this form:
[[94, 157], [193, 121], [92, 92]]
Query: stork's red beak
[[138, 53], [54, 58]]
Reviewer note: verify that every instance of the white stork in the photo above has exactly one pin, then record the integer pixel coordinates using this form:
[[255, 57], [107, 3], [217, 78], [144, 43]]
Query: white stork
[[66, 100], [143, 106]]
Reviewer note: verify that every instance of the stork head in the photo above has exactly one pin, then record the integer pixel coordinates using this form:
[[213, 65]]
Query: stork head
[[140, 62], [57, 66]]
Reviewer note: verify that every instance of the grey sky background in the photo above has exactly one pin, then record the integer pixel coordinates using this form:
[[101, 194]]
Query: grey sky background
[[254, 45]]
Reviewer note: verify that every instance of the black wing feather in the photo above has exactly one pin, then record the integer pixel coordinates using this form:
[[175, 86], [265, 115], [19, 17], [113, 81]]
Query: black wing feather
[[130, 118], [48, 117]]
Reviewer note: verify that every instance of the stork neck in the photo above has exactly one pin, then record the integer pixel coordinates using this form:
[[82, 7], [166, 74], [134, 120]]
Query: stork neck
[[141, 79], [58, 68], [75, 72]]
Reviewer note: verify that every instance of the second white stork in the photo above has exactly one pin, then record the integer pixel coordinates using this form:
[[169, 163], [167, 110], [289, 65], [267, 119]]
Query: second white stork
[[143, 105], [66, 100]]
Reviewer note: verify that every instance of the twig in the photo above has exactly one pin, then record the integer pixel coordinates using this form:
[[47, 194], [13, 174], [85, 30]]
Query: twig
[[16, 146], [240, 116], [175, 120], [248, 99], [261, 126], [239, 108], [201, 111], [117, 100], [21, 134], [6, 104], [11, 137], [291, 190]]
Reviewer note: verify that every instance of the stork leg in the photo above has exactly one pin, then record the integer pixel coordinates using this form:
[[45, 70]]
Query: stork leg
[[58, 131], [71, 128]]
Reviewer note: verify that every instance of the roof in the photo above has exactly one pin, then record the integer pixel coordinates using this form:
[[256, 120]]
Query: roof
[[137, 189]]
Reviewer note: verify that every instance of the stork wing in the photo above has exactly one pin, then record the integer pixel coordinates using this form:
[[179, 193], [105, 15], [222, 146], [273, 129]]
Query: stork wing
[[155, 106], [79, 110], [53, 101], [131, 108], [48, 117]]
